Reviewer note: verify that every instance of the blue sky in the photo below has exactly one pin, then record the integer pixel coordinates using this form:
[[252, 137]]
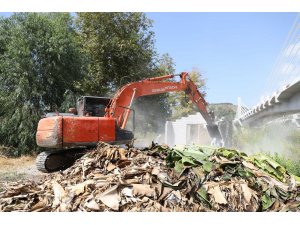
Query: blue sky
[[235, 52]]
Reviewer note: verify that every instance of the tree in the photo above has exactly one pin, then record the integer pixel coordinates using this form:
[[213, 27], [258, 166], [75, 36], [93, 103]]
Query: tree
[[180, 103], [166, 64], [119, 49], [39, 61]]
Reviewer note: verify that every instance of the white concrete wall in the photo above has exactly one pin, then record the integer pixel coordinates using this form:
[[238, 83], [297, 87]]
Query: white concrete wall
[[176, 131]]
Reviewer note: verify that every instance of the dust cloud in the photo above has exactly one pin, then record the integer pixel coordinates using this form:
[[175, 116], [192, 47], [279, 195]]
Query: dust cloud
[[273, 139], [149, 126]]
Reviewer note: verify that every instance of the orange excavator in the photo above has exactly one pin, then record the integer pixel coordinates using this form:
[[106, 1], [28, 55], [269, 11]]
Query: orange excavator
[[103, 119]]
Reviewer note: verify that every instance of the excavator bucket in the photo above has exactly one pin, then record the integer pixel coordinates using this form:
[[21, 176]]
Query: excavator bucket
[[214, 133]]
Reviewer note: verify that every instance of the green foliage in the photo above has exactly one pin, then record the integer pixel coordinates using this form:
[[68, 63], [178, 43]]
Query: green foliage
[[166, 64], [291, 165], [119, 48], [180, 103], [70, 101], [39, 61]]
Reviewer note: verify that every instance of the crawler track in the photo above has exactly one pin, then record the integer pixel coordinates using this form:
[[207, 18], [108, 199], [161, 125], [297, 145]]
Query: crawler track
[[55, 160]]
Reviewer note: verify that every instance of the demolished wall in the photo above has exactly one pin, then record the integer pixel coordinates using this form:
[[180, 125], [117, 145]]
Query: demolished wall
[[187, 130]]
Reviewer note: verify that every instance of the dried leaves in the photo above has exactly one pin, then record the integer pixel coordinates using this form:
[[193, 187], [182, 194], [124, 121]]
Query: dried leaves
[[188, 178]]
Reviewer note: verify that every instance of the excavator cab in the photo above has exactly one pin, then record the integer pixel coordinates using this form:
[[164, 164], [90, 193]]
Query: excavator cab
[[92, 106]]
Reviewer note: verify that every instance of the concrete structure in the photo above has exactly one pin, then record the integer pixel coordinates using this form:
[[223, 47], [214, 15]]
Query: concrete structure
[[292, 120], [187, 130], [285, 101]]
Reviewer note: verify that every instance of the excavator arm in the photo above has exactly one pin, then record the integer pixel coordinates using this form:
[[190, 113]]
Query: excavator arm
[[121, 103], [196, 97]]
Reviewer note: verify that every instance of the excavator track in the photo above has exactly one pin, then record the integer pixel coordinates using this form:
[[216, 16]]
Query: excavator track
[[56, 160]]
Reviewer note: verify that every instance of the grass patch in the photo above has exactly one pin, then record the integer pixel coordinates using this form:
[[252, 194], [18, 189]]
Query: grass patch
[[11, 176], [11, 165], [15, 169], [293, 166]]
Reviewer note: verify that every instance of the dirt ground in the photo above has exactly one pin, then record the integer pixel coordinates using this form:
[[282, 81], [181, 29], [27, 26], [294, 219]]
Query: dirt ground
[[15, 169]]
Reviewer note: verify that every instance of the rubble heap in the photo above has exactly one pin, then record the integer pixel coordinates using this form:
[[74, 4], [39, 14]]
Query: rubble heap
[[159, 178]]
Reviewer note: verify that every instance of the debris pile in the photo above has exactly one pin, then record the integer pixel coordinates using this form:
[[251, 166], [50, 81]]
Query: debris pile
[[159, 178]]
